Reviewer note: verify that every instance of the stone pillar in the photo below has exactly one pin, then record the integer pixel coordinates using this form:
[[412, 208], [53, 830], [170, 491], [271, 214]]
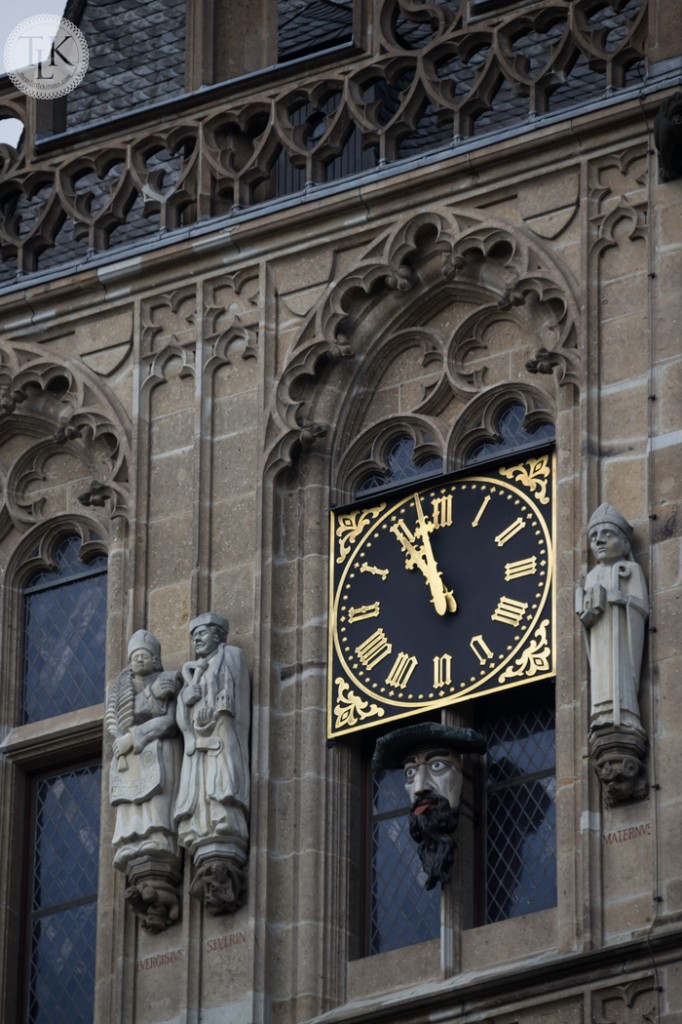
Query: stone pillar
[[665, 30], [229, 38]]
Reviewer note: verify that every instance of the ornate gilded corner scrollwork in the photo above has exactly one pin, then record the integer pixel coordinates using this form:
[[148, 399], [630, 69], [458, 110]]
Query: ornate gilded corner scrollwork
[[535, 658], [533, 474], [350, 708], [352, 525]]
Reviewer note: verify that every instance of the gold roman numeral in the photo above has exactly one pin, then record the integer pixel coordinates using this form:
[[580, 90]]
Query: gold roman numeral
[[364, 611], [509, 611], [481, 510], [442, 671], [510, 532], [373, 649], [401, 670], [524, 567], [442, 511], [481, 649], [373, 570]]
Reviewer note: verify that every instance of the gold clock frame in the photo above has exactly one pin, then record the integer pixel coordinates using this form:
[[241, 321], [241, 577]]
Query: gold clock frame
[[352, 706]]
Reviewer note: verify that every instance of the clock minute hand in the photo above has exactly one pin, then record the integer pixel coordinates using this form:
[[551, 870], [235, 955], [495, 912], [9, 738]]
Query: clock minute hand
[[443, 599], [426, 563]]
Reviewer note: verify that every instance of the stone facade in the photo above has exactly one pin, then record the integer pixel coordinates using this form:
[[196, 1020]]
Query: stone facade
[[194, 407]]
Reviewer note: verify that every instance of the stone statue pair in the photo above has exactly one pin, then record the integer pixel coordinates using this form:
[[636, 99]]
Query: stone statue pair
[[193, 795]]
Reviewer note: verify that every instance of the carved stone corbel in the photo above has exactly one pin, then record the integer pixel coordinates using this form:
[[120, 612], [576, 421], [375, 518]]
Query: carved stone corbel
[[220, 882], [619, 759], [152, 891]]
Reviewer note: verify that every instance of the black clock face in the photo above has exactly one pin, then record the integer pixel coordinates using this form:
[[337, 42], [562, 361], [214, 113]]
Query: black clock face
[[441, 595]]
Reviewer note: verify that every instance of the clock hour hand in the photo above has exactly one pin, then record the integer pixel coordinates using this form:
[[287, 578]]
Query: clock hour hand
[[443, 599], [423, 558]]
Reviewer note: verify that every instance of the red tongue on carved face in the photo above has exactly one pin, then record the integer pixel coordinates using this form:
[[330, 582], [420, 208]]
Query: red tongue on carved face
[[422, 807]]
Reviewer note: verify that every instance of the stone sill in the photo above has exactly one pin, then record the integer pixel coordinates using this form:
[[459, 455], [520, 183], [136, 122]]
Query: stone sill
[[73, 734], [539, 978]]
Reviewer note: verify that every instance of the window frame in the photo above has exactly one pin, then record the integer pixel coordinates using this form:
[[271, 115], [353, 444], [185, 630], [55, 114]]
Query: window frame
[[29, 914], [46, 746], [490, 712], [29, 589], [491, 435]]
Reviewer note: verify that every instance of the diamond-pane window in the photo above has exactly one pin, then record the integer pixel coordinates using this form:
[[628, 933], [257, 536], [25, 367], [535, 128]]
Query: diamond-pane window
[[401, 911], [64, 635], [63, 907], [401, 467], [513, 436], [520, 815]]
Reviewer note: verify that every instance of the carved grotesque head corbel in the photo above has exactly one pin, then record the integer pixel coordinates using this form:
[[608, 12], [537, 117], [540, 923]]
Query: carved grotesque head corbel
[[430, 755]]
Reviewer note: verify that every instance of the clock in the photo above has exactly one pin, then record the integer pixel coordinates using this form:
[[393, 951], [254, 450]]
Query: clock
[[441, 595]]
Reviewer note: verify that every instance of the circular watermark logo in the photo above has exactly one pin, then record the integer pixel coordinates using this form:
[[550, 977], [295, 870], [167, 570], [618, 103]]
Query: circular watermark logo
[[46, 56]]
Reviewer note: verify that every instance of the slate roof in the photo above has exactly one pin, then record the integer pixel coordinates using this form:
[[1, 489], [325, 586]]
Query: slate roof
[[312, 26], [137, 56]]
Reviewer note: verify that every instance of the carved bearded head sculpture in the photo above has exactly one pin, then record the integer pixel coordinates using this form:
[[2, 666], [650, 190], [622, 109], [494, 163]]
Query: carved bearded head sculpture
[[430, 755]]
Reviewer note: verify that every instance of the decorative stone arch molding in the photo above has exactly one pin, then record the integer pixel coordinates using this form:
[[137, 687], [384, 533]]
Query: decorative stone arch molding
[[370, 451], [36, 551], [428, 334], [478, 306], [480, 421], [63, 413]]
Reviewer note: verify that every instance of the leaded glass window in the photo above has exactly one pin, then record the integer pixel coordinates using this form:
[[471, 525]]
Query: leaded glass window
[[401, 911], [401, 467], [309, 26], [64, 634], [518, 811], [62, 912], [513, 436]]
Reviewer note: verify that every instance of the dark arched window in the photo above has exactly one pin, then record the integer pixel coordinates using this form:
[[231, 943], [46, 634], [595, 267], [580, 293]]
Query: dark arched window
[[512, 436], [401, 467], [64, 634]]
